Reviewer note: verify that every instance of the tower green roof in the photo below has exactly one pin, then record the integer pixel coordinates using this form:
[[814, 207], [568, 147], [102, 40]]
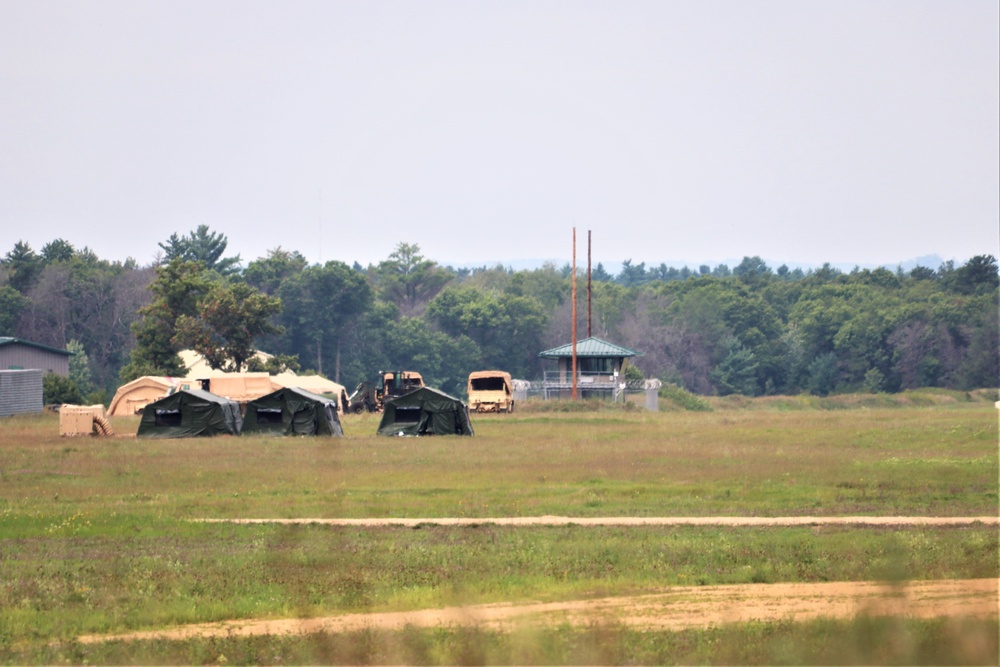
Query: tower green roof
[[589, 347]]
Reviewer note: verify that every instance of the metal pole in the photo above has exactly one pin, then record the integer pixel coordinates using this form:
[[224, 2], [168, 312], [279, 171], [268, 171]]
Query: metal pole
[[589, 291], [573, 393]]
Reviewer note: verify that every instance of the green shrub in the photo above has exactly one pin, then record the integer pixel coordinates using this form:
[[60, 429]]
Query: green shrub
[[57, 390], [683, 398]]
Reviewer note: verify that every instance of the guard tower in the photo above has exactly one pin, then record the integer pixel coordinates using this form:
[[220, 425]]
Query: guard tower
[[600, 369]]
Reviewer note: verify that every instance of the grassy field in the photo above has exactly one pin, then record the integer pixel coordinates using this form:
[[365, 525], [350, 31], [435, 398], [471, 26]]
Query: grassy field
[[95, 537]]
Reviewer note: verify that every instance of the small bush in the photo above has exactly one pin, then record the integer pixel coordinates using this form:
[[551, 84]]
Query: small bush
[[683, 398], [585, 405], [57, 390]]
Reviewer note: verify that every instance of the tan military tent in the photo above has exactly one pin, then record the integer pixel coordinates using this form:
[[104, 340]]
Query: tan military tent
[[132, 397], [251, 386], [239, 387]]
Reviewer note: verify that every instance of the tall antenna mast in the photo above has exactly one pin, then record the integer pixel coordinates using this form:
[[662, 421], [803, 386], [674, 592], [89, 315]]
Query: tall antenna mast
[[573, 392], [589, 308]]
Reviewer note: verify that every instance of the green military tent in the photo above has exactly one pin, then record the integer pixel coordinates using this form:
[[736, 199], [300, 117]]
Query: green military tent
[[190, 413], [292, 411], [425, 411]]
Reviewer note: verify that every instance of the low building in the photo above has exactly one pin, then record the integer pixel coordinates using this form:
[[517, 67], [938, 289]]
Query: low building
[[17, 355], [600, 369], [20, 392]]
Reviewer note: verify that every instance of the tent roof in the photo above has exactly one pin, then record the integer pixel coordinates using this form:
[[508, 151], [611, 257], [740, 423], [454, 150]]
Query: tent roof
[[198, 368], [299, 391], [152, 381], [314, 383], [589, 347], [240, 386], [197, 393], [420, 396], [149, 381]]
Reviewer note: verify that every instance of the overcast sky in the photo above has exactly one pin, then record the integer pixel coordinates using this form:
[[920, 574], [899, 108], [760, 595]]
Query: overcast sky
[[836, 131]]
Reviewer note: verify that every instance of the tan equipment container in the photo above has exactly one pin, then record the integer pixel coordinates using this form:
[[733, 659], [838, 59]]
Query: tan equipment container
[[84, 420]]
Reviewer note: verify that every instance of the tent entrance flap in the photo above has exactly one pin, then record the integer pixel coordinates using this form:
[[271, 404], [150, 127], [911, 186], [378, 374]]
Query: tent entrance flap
[[407, 415], [268, 415], [168, 418]]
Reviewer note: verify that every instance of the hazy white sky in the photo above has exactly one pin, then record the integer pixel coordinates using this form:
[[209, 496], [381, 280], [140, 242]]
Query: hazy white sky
[[700, 130]]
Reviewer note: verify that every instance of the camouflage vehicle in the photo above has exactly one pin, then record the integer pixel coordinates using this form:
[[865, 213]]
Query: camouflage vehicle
[[491, 391]]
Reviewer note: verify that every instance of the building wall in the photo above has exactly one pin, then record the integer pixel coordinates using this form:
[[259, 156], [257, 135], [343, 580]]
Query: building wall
[[16, 356], [20, 391]]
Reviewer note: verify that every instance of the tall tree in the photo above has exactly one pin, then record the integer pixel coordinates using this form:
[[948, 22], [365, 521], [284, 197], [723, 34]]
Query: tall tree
[[502, 325], [268, 273], [228, 319], [12, 304], [203, 246], [752, 269], [978, 275], [409, 279], [737, 372], [23, 266], [79, 368], [632, 274], [321, 304], [59, 250], [177, 289]]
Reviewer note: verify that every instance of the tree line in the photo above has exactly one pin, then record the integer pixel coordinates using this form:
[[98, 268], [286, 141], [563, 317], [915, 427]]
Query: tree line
[[748, 329]]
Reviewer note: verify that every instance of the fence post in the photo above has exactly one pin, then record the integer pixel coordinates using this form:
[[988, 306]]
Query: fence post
[[653, 395]]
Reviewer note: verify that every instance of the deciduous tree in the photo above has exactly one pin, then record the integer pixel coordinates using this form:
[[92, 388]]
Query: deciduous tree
[[228, 319]]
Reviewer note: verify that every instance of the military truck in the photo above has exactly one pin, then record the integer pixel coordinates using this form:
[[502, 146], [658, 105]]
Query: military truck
[[491, 391], [371, 397]]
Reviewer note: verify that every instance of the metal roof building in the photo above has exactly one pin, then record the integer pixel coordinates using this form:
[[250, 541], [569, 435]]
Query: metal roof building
[[599, 373], [17, 354]]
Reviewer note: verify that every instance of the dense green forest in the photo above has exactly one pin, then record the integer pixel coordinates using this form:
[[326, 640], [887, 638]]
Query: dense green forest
[[747, 329]]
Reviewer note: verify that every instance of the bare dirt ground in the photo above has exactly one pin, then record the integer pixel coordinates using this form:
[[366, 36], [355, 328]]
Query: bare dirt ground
[[674, 608]]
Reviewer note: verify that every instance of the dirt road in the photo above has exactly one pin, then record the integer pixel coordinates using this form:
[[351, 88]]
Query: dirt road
[[674, 608], [642, 521]]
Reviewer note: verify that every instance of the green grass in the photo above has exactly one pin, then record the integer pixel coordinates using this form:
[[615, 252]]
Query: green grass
[[123, 574], [939, 460], [864, 641], [95, 537]]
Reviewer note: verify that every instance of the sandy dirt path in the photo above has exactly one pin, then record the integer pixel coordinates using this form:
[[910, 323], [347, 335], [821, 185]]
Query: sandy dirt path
[[642, 521], [674, 608]]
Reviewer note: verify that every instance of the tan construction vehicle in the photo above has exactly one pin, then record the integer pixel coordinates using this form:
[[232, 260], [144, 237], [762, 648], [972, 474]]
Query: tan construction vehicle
[[491, 391], [372, 398]]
